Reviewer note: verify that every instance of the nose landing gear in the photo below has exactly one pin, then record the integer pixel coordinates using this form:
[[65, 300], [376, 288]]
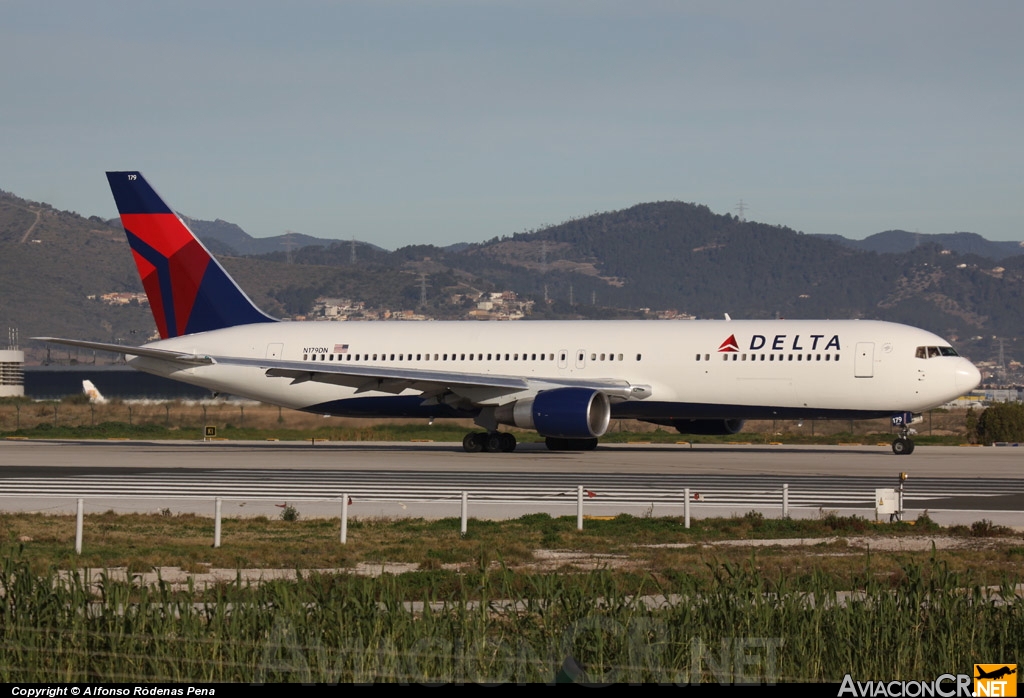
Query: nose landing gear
[[904, 445]]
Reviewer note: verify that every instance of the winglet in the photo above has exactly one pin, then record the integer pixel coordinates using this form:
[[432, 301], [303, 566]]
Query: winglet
[[188, 290]]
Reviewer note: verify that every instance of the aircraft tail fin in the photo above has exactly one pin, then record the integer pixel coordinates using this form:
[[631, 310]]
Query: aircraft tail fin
[[188, 290], [95, 396]]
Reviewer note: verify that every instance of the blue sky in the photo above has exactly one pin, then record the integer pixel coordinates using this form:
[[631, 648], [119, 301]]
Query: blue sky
[[415, 122]]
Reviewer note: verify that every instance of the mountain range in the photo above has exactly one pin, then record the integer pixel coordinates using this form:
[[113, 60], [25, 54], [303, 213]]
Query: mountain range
[[656, 256]]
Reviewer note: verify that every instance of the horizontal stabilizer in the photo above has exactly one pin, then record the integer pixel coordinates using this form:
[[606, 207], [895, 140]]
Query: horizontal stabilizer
[[163, 354]]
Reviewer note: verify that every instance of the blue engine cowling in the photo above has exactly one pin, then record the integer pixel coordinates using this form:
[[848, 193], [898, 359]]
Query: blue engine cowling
[[566, 413]]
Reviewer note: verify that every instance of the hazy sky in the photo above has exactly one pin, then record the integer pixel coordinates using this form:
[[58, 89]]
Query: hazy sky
[[409, 122]]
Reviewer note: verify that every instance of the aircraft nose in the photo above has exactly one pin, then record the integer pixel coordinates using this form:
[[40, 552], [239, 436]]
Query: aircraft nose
[[967, 377]]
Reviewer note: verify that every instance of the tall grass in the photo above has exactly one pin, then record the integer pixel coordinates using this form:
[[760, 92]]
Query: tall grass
[[55, 627]]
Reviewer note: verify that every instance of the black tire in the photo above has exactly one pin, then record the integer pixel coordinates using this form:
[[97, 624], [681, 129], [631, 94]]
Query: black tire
[[570, 444], [902, 446], [493, 442], [473, 443], [508, 443], [554, 444]]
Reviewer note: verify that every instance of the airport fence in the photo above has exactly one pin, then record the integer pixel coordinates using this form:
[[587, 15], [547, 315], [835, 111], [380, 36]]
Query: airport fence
[[190, 417], [605, 505]]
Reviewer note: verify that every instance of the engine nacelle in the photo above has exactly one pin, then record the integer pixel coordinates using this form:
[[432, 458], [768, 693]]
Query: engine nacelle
[[566, 413], [707, 427]]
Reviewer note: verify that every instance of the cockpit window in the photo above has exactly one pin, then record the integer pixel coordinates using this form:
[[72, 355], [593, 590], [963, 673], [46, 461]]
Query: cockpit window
[[931, 352]]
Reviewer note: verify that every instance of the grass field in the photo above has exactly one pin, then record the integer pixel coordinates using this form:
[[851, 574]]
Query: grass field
[[628, 605], [75, 418]]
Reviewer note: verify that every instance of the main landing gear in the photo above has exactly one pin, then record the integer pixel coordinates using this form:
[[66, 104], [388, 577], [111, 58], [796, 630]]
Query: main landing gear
[[555, 444], [493, 442]]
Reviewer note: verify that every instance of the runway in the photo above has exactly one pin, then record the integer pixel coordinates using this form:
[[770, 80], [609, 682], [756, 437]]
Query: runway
[[955, 485]]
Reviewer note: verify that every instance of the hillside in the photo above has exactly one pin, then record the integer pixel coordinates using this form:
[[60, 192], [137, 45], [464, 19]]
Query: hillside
[[900, 241], [660, 256]]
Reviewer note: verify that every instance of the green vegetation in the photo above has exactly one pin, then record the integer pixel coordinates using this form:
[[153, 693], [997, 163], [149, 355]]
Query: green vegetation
[[1000, 422], [485, 609]]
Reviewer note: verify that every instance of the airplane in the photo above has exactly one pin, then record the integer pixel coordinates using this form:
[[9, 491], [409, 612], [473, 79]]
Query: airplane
[[95, 396], [564, 379], [995, 673]]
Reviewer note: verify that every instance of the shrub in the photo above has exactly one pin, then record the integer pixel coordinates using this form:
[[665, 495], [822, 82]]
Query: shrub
[[1002, 422]]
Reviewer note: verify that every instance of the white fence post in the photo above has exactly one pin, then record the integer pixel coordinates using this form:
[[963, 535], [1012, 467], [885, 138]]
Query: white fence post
[[686, 507], [344, 518], [465, 512], [579, 508], [216, 523], [785, 501], [78, 526]]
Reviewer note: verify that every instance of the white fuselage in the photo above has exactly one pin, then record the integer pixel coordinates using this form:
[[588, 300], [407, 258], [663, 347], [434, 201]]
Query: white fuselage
[[695, 369]]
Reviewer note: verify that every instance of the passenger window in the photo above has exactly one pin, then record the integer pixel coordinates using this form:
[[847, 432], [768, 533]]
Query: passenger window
[[638, 356]]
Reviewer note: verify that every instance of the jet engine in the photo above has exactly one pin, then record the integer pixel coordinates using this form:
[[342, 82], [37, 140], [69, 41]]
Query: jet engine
[[566, 413]]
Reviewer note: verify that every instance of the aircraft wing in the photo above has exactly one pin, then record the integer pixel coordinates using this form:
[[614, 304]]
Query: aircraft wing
[[446, 386], [477, 388], [163, 354]]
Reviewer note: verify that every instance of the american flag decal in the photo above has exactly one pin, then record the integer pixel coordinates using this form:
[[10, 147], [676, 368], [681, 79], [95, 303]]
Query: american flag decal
[[340, 348]]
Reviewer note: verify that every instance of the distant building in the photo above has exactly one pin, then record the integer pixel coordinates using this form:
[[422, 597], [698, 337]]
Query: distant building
[[12, 377]]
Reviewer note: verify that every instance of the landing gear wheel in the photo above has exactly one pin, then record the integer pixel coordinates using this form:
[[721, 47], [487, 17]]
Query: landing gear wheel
[[493, 442], [473, 443], [902, 446], [508, 443], [555, 444]]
